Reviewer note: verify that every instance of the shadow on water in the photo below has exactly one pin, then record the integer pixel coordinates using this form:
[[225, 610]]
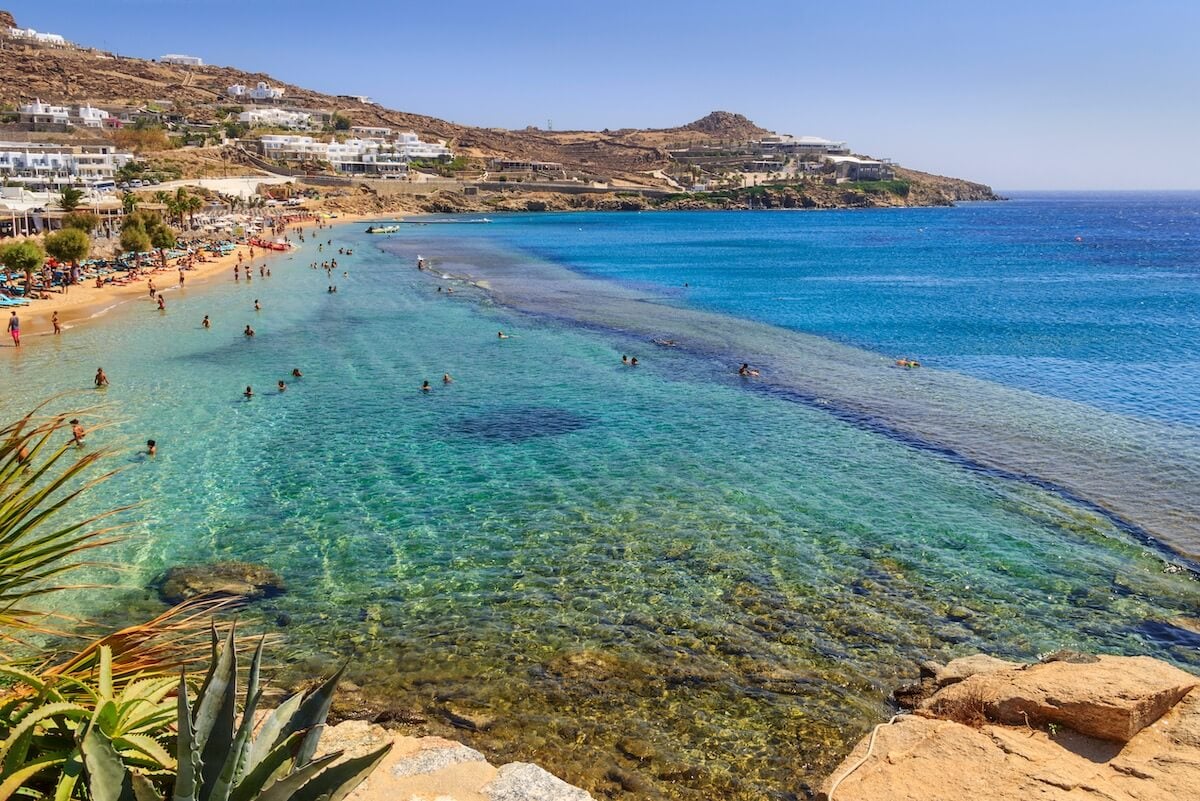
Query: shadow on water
[[518, 423]]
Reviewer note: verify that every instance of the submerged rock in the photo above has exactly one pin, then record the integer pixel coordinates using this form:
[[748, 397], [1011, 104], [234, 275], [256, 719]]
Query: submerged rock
[[233, 579]]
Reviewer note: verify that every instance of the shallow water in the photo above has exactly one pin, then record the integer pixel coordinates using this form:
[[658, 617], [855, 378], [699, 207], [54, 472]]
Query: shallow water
[[734, 573]]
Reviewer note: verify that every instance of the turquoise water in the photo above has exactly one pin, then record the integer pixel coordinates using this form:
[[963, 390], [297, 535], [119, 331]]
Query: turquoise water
[[734, 572]]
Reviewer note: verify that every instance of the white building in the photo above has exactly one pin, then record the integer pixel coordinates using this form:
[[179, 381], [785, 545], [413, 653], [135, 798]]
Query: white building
[[30, 35], [186, 61], [294, 148], [89, 116], [54, 165], [276, 118], [411, 146], [852, 168], [263, 91], [370, 132], [39, 113], [786, 143]]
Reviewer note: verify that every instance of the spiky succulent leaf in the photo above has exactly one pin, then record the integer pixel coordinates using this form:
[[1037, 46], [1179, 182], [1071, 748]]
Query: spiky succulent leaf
[[260, 774], [283, 789], [272, 732], [336, 782], [216, 713], [312, 713], [235, 764], [107, 777], [187, 776]]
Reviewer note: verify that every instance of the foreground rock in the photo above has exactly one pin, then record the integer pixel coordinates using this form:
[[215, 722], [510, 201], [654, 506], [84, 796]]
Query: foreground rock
[[230, 579], [426, 768], [1112, 728]]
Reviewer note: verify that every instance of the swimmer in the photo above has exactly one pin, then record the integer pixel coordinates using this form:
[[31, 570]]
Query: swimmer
[[205, 323], [425, 387], [249, 331], [282, 386], [151, 448], [296, 373], [501, 335], [257, 307], [249, 393], [624, 359], [633, 362], [101, 378], [162, 304], [77, 432], [746, 372], [446, 379]]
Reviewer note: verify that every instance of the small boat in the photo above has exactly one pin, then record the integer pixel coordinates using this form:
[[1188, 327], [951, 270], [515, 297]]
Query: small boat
[[382, 229]]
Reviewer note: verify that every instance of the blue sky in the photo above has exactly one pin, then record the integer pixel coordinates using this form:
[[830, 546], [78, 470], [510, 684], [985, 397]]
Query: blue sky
[[1054, 94]]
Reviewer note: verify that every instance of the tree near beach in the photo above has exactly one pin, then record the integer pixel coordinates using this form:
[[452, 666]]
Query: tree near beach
[[69, 198], [26, 257], [129, 202], [135, 240], [143, 230], [69, 245], [83, 220]]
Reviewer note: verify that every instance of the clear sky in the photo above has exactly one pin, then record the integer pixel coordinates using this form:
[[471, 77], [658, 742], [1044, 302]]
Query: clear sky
[[1056, 94]]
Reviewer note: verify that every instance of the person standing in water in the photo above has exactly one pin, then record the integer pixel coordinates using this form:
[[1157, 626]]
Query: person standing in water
[[151, 448], [55, 323], [205, 322], [249, 393], [14, 329], [101, 379]]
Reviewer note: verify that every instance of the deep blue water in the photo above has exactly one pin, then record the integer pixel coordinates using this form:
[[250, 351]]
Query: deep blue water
[[734, 571], [1002, 291]]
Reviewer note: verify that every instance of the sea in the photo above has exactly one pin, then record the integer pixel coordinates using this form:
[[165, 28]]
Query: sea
[[670, 578]]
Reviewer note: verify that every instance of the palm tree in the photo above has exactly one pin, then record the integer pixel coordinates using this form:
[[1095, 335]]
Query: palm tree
[[129, 202], [193, 204]]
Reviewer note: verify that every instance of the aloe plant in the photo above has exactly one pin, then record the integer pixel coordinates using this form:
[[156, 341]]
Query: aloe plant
[[44, 721], [220, 758]]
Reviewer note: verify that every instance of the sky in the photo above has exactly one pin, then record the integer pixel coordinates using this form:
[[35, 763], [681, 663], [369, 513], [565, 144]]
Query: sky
[[1056, 94]]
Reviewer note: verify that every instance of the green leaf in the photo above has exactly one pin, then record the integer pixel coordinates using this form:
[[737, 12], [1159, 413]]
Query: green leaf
[[72, 769], [312, 713], [234, 766], [13, 750], [284, 789], [15, 780], [188, 754], [336, 783], [272, 732], [249, 787], [107, 778], [216, 712]]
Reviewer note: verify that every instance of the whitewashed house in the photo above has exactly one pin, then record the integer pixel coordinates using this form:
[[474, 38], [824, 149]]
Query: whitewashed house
[[276, 118], [39, 113], [49, 165], [89, 117], [185, 61]]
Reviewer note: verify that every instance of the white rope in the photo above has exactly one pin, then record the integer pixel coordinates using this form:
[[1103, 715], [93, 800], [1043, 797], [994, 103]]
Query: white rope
[[866, 756]]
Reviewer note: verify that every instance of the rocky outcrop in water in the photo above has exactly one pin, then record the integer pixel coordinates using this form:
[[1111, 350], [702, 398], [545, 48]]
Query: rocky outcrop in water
[[229, 579], [1073, 728]]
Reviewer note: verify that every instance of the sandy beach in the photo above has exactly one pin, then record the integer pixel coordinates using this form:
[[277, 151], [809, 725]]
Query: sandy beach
[[85, 301]]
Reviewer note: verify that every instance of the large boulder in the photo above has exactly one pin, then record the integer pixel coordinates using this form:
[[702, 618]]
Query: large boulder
[[1112, 698], [426, 768], [229, 579], [923, 759]]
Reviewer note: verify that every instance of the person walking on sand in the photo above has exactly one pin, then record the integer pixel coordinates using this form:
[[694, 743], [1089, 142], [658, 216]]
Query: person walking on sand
[[14, 329], [101, 379], [55, 323]]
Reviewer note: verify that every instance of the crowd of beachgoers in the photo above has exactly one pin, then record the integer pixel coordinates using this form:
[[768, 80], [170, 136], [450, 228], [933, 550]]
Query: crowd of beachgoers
[[60, 294]]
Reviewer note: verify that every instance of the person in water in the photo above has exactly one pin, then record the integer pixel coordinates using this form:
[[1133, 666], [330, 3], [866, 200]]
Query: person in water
[[162, 304], [746, 371], [501, 335], [56, 324], [633, 362], [249, 393], [101, 379], [151, 448], [205, 323], [14, 329], [624, 359], [77, 432], [296, 373], [282, 386], [446, 379], [257, 307], [425, 387], [249, 331]]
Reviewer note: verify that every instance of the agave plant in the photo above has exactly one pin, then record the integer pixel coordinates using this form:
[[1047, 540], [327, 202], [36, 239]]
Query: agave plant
[[44, 727], [222, 759]]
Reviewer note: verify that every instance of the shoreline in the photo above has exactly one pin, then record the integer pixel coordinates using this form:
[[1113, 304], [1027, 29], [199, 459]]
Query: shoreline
[[85, 303]]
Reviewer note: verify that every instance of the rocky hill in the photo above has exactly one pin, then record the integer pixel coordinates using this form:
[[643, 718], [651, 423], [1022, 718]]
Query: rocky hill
[[84, 75]]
